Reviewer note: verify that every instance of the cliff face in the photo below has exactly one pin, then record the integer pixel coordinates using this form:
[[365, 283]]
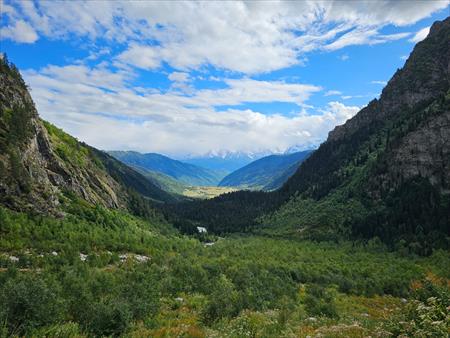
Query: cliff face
[[424, 77], [425, 152], [40, 163], [386, 171], [406, 130]]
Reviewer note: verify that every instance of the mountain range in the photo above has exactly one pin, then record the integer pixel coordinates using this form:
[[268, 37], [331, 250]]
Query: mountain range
[[188, 174], [267, 173], [224, 161]]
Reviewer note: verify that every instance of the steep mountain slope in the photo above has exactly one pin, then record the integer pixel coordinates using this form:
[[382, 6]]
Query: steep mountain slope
[[267, 173], [185, 173], [163, 181], [384, 173], [40, 164]]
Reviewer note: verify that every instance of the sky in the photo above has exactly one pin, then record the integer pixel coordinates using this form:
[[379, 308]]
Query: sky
[[194, 78]]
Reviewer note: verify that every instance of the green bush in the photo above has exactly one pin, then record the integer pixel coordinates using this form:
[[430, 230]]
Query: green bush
[[223, 301], [28, 302], [320, 302]]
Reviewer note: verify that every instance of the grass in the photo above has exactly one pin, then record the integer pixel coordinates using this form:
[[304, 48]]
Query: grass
[[207, 192]]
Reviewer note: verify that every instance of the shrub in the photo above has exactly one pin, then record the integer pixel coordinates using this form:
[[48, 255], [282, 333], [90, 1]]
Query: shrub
[[29, 302], [320, 302]]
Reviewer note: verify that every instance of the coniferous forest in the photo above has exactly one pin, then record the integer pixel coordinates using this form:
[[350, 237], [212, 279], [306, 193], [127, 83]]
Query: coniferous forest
[[354, 244]]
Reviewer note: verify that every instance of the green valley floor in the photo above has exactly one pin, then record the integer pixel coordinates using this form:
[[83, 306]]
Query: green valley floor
[[99, 272]]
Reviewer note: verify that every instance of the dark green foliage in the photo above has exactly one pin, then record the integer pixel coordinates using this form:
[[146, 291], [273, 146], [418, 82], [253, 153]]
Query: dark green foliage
[[20, 128], [28, 302], [109, 318], [419, 222], [11, 69], [18, 172], [223, 301], [232, 212], [320, 302]]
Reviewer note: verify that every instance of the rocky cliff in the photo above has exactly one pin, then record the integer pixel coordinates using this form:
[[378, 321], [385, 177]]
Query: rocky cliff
[[424, 77], [40, 164]]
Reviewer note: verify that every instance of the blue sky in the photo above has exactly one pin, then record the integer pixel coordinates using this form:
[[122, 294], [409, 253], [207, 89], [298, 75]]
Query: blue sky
[[190, 78]]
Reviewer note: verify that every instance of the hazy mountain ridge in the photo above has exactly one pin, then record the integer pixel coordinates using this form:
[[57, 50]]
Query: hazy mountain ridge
[[267, 173], [185, 173], [224, 163]]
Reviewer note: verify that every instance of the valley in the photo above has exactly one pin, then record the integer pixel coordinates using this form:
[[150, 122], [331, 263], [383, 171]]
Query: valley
[[348, 240], [242, 283]]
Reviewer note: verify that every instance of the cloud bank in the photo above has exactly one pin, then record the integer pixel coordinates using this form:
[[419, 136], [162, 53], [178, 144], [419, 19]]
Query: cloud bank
[[97, 99], [247, 37], [100, 108]]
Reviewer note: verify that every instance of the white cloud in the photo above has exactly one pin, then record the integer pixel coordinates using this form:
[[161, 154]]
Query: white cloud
[[404, 57], [179, 77], [344, 57], [83, 101], [247, 37], [180, 81], [362, 36], [146, 57], [248, 90], [383, 83], [20, 31], [333, 92], [340, 111], [420, 35]]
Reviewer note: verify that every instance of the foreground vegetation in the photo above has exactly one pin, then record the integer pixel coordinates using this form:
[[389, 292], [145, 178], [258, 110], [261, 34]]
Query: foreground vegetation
[[105, 273]]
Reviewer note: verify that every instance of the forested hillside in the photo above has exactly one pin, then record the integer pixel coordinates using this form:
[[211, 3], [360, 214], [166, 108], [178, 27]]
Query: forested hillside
[[267, 173], [185, 173], [384, 173]]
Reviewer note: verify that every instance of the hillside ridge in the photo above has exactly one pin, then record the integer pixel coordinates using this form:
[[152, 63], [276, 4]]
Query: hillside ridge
[[40, 165], [185, 173], [267, 173]]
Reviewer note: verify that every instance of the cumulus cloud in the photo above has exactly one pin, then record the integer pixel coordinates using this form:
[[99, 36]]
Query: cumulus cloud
[[20, 31], [145, 57], [83, 100], [237, 39], [420, 35], [247, 37]]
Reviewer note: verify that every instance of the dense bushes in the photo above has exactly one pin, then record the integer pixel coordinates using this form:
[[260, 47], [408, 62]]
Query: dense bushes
[[236, 284], [427, 314], [320, 302], [29, 302]]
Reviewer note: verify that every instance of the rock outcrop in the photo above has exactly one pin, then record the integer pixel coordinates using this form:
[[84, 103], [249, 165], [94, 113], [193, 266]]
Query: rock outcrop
[[39, 163]]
